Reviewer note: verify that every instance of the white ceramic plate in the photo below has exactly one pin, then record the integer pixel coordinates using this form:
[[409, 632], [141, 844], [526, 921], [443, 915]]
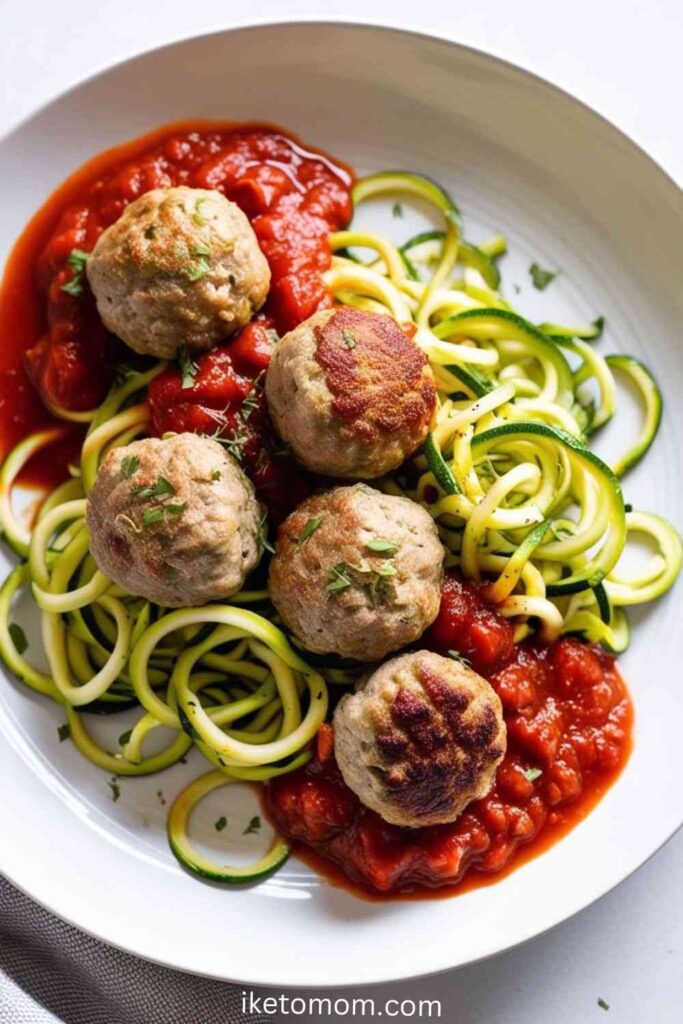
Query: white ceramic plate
[[569, 191]]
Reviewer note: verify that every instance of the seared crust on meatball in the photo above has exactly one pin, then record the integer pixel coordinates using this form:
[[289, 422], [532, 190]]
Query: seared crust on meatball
[[181, 266], [175, 521], [357, 572], [420, 740], [351, 393]]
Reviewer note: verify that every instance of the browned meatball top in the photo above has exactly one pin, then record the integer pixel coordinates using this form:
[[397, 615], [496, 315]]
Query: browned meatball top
[[376, 375], [351, 392], [421, 739]]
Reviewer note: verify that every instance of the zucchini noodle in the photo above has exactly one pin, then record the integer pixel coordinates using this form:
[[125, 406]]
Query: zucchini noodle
[[520, 501], [506, 472]]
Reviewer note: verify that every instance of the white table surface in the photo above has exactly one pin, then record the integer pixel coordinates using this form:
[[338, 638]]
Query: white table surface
[[623, 57]]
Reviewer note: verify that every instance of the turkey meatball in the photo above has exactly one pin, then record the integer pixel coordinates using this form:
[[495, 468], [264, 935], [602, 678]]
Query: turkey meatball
[[357, 572], [175, 520], [180, 267], [351, 393], [420, 740]]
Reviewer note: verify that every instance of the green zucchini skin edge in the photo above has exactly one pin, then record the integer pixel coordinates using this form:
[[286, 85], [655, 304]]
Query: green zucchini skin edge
[[590, 577]]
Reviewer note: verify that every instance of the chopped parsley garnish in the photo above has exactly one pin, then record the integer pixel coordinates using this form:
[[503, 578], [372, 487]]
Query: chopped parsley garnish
[[130, 466], [338, 579], [457, 656], [397, 210], [216, 475], [233, 444], [155, 515], [221, 823], [161, 489], [599, 324], [531, 774], [18, 637], [349, 338], [373, 579], [200, 250], [176, 510], [602, 1004], [253, 826], [188, 368], [161, 797], [249, 405], [262, 536], [77, 260], [196, 271], [628, 508], [64, 732], [387, 547], [309, 529], [196, 216], [115, 788], [541, 278], [124, 737]]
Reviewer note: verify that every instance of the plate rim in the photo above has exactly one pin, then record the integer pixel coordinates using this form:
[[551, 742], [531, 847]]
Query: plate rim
[[404, 29]]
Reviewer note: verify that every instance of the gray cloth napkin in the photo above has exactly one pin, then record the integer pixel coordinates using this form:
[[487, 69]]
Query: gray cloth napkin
[[51, 973]]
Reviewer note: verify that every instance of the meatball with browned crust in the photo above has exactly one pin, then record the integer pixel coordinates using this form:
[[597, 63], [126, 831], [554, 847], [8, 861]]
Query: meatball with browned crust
[[175, 521], [351, 393], [420, 740], [180, 267], [357, 572]]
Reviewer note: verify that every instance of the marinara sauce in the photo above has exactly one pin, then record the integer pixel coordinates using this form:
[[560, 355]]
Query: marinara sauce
[[293, 196], [569, 722]]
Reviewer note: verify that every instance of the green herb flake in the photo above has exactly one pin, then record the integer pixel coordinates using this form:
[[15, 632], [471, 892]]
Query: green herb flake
[[216, 475], [531, 774], [602, 1004], [197, 217], [253, 826], [599, 325], [457, 656], [155, 515], [262, 536], [541, 278], [64, 732], [176, 510], [196, 271], [309, 529], [18, 637], [221, 823], [387, 547], [74, 286], [163, 488], [188, 368], [200, 249], [161, 798], [249, 405], [77, 260], [348, 338], [129, 466], [397, 210], [115, 788], [338, 579], [124, 737]]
